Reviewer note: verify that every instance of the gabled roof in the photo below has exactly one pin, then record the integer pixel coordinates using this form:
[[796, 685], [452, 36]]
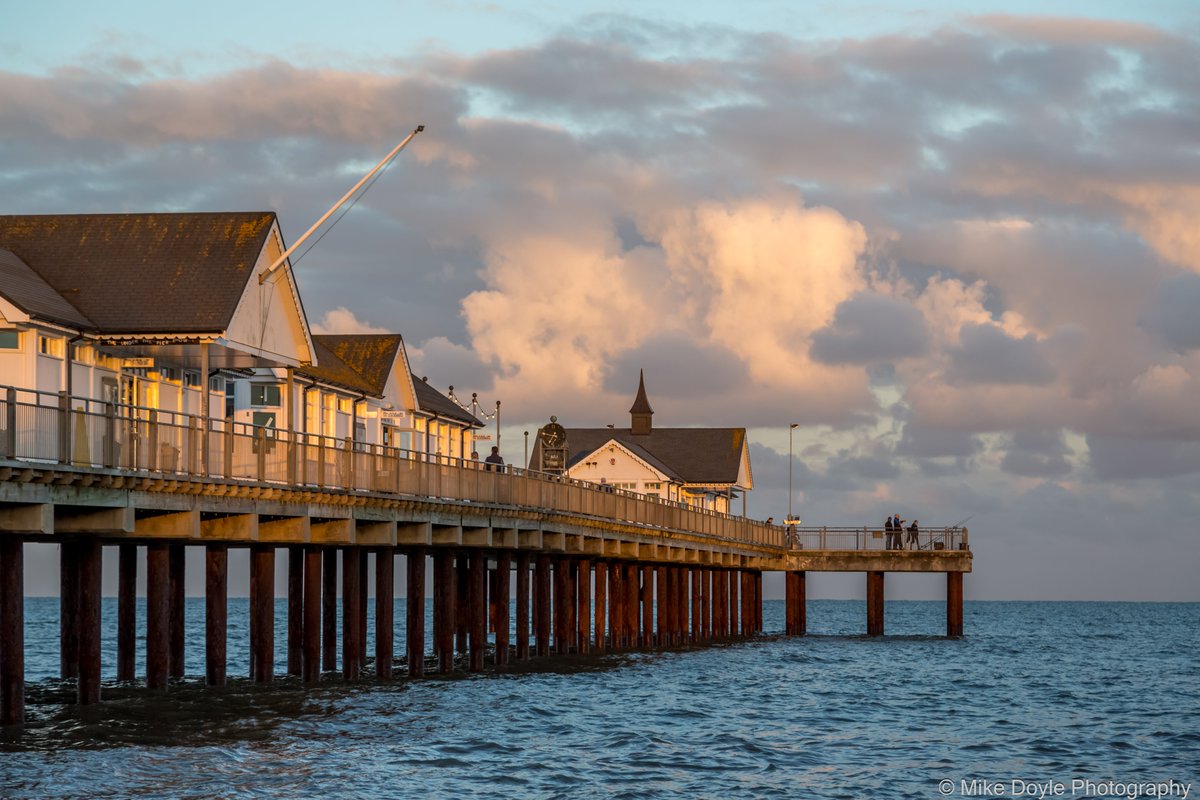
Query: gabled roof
[[431, 401], [694, 455], [359, 362], [138, 273], [25, 289]]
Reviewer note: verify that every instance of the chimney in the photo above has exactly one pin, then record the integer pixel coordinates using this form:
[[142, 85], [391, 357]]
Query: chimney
[[641, 412]]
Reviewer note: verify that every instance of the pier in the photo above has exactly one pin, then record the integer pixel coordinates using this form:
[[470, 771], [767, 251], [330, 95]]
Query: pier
[[593, 570]]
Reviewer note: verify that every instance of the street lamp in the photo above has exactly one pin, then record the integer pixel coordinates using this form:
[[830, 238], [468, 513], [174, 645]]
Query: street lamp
[[526, 464], [791, 430]]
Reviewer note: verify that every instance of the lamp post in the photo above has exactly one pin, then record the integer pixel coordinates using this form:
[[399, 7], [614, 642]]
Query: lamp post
[[791, 430], [526, 465]]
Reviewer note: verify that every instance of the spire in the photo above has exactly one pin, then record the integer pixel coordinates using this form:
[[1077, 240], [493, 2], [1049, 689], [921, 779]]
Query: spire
[[641, 411]]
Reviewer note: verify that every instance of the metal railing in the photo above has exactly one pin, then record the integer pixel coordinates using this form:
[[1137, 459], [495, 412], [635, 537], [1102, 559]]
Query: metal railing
[[41, 427], [877, 539]]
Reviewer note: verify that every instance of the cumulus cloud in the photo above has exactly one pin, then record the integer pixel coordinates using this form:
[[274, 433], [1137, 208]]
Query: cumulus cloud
[[868, 328], [343, 320], [987, 355]]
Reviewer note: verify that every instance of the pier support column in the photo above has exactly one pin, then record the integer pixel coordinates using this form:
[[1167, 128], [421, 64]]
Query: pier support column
[[697, 616], [443, 609], [68, 609], [385, 562], [362, 607], [583, 588], [616, 613], [462, 601], [477, 609], [503, 582], [795, 599], [295, 610], [126, 611], [541, 605], [414, 614], [682, 608], [954, 604], [90, 560], [731, 578], [351, 598], [522, 606], [633, 616], [647, 637], [176, 565], [874, 604], [662, 635], [262, 613], [571, 604], [216, 599], [601, 611], [310, 650], [329, 571], [705, 621], [12, 630], [158, 618]]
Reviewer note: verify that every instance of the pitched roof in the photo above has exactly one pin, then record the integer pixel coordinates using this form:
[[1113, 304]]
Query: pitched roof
[[28, 292], [432, 401], [359, 362], [185, 272], [692, 455]]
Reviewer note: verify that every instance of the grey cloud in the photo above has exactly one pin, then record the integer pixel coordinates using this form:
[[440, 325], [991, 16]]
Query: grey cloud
[[1174, 315], [1130, 458], [1036, 454], [677, 367], [870, 328], [989, 356], [926, 441]]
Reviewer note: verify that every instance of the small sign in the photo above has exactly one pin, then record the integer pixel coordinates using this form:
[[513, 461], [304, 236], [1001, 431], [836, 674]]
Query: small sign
[[483, 437], [137, 363], [391, 417]]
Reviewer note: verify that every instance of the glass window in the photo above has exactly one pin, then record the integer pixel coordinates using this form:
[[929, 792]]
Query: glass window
[[264, 394], [216, 383], [191, 379], [264, 419], [49, 346], [10, 339], [345, 405]]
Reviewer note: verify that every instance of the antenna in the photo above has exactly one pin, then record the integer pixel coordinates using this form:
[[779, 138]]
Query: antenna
[[280, 261]]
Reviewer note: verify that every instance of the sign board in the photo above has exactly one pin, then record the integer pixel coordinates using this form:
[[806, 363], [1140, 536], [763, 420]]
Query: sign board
[[137, 363], [391, 417], [554, 459], [483, 437]]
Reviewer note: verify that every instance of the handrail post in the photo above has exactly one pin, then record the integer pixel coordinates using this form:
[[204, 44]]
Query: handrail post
[[229, 441], [64, 428], [193, 436], [10, 423], [152, 437], [260, 438], [321, 461], [110, 435]]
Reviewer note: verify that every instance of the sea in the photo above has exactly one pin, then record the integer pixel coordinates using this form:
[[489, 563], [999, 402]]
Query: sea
[[1038, 699]]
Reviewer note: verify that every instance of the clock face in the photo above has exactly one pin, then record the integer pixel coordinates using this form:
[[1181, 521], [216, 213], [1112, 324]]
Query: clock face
[[553, 435]]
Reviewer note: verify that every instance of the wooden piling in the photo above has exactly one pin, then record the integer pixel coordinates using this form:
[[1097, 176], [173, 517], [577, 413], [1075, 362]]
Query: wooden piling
[[329, 609], [126, 611], [68, 609], [522, 589], [443, 609], [616, 605], [661, 614], [90, 560], [731, 577], [351, 597], [462, 602], [414, 614], [697, 634], [177, 568], [384, 612], [363, 599], [477, 609], [503, 582], [559, 605], [954, 604], [216, 605], [12, 630], [310, 634], [157, 615], [583, 587], [541, 605], [632, 613], [600, 637], [647, 599], [875, 604], [571, 604], [295, 610], [684, 605], [262, 613], [794, 614]]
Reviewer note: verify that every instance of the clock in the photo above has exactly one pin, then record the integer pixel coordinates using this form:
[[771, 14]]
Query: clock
[[553, 436]]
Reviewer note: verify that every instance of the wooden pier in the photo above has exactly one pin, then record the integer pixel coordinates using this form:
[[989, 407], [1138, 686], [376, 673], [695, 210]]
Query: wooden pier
[[593, 570]]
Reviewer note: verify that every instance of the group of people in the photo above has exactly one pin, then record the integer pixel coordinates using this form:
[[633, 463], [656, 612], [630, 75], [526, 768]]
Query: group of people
[[493, 462], [894, 528]]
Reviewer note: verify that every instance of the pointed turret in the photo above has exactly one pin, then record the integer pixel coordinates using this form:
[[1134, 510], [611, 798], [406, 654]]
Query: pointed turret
[[641, 411]]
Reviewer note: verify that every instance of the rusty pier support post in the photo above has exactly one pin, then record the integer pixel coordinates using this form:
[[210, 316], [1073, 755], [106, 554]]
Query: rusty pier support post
[[177, 567], [157, 615], [647, 598], [361, 639], [732, 577], [351, 598], [90, 559], [329, 571], [616, 605], [295, 610], [414, 614], [262, 613], [126, 611], [633, 615], [541, 605], [503, 584], [697, 608], [68, 609], [600, 612], [385, 562], [559, 605], [583, 611], [477, 609], [662, 636], [705, 620], [794, 614], [875, 603], [310, 650], [443, 609], [12, 629], [954, 604], [462, 601], [523, 606], [216, 612]]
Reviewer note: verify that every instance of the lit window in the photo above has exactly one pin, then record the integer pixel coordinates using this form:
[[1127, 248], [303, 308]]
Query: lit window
[[191, 379], [49, 346], [10, 339], [653, 485], [345, 405], [168, 374], [82, 354], [264, 394]]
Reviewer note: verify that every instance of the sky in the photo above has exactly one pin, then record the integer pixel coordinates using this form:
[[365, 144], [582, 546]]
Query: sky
[[955, 243]]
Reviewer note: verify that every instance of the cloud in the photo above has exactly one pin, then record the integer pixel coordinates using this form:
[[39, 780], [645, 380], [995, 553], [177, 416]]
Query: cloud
[[1174, 314], [343, 320], [987, 355], [868, 328], [1037, 454]]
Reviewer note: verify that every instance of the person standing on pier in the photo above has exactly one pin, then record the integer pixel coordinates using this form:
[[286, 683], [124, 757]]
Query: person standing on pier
[[887, 528], [495, 461], [914, 535]]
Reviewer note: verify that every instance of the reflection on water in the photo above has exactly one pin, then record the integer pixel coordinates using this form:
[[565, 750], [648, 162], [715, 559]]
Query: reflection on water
[[1037, 690]]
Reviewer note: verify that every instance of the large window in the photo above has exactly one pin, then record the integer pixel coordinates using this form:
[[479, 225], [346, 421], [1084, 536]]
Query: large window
[[264, 419], [51, 346], [264, 394], [10, 339]]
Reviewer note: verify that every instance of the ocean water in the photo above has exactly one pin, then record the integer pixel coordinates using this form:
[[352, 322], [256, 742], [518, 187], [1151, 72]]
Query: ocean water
[[1034, 693]]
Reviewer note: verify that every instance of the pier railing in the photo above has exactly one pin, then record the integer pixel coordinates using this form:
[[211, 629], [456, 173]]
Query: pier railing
[[47, 428], [876, 538]]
